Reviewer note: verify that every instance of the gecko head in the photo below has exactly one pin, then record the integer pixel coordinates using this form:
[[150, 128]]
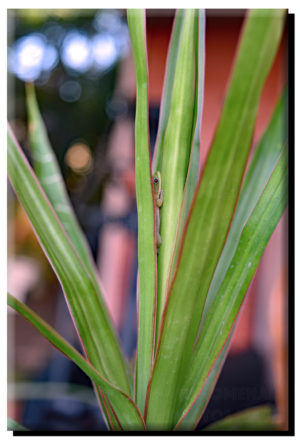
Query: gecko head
[[156, 184]]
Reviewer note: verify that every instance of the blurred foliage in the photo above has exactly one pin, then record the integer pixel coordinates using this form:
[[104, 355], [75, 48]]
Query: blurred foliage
[[12, 425], [38, 16], [73, 102], [81, 118], [254, 419]]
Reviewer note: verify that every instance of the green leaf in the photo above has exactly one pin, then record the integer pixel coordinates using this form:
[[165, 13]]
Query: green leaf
[[49, 390], [264, 160], [49, 175], [177, 148], [261, 166], [87, 309], [125, 408], [165, 104], [193, 171], [228, 300], [145, 211], [193, 416], [12, 425], [254, 419], [211, 215], [47, 170]]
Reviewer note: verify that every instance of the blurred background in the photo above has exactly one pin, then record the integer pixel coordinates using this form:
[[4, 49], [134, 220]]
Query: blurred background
[[82, 66]]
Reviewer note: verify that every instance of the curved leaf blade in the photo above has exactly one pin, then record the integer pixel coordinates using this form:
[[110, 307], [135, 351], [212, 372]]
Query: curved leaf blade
[[49, 175], [125, 408], [145, 211], [88, 310]]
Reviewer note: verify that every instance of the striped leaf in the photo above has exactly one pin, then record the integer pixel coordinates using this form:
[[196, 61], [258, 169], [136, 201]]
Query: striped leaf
[[177, 148], [123, 406], [49, 175], [194, 166], [87, 309], [165, 104], [264, 160], [228, 300], [145, 211]]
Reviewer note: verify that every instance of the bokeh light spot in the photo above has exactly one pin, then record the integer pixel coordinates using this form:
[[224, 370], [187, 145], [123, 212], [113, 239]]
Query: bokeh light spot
[[70, 91], [104, 51], [76, 52], [79, 158], [30, 56]]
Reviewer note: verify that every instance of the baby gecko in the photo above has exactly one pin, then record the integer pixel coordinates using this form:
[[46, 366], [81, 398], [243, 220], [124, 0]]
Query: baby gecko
[[159, 198]]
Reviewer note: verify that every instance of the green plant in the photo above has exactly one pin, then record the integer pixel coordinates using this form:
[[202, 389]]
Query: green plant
[[214, 228]]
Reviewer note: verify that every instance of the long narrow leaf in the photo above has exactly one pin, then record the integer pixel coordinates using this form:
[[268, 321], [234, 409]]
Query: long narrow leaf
[[145, 211], [193, 171], [167, 90], [177, 149], [89, 312], [224, 310], [193, 416], [49, 175], [263, 162], [127, 411], [211, 214]]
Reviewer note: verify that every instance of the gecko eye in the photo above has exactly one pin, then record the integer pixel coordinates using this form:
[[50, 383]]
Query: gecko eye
[[155, 180]]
